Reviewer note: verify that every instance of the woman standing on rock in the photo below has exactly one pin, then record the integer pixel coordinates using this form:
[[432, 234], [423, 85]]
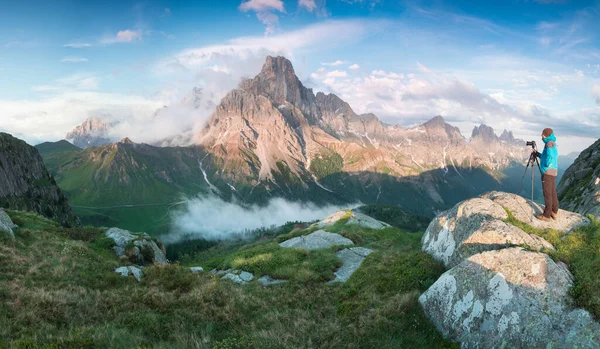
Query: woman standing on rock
[[549, 166]]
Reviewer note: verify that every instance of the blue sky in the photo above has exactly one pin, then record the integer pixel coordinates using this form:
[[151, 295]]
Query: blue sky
[[520, 65]]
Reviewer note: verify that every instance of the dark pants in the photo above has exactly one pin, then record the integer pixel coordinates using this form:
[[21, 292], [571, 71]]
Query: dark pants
[[550, 197]]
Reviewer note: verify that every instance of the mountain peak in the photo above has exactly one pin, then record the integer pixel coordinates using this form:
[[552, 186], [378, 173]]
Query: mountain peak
[[278, 82], [126, 140], [436, 121], [277, 65], [484, 132]]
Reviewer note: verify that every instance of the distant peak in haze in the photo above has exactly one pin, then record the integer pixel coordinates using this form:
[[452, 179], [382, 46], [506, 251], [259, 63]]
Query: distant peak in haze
[[436, 121], [484, 132]]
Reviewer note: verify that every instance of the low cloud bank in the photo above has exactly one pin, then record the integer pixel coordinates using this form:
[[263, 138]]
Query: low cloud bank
[[211, 218]]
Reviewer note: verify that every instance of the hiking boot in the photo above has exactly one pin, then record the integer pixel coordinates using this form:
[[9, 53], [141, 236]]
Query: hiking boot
[[542, 218], [554, 216]]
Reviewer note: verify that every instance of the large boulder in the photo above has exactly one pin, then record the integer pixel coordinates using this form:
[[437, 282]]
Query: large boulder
[[471, 227], [509, 298], [525, 211], [6, 224], [317, 240], [139, 248], [352, 217]]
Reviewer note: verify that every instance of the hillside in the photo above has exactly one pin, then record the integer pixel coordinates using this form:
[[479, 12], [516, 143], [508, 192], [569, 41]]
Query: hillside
[[397, 295], [63, 280], [579, 189], [126, 184], [25, 184]]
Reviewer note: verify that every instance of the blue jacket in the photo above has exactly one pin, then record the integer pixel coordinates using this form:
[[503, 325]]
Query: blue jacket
[[549, 156]]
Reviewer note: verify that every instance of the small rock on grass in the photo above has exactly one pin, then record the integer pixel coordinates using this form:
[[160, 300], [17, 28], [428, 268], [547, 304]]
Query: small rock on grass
[[130, 270]]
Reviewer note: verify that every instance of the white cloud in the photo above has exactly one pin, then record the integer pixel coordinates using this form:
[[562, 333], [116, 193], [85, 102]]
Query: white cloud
[[74, 59], [310, 5], [50, 118], [123, 36], [75, 82], [193, 220], [79, 82], [337, 74], [354, 66], [264, 12], [77, 45], [335, 64], [596, 93], [262, 5]]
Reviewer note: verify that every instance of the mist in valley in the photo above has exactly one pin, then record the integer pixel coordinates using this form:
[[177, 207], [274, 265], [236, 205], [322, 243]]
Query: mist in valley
[[212, 218]]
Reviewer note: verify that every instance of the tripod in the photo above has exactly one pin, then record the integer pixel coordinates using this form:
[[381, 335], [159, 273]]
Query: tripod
[[533, 159]]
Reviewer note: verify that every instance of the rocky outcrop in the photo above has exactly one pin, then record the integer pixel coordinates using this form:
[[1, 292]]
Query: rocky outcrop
[[477, 225], [496, 294], [138, 248], [317, 240], [525, 211], [350, 217], [26, 185], [6, 224], [93, 132], [579, 188]]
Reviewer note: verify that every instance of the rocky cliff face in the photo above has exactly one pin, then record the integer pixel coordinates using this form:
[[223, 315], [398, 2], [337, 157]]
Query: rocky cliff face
[[25, 184], [579, 188], [92, 132]]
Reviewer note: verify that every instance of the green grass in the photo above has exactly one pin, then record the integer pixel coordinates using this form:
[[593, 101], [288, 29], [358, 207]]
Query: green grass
[[58, 289], [580, 250]]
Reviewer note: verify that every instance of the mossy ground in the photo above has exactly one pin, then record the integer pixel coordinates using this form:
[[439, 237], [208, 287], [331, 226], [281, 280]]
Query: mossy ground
[[58, 289], [580, 250]]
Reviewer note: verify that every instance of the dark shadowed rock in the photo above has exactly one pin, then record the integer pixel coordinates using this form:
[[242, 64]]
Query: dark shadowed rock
[[26, 185], [579, 188]]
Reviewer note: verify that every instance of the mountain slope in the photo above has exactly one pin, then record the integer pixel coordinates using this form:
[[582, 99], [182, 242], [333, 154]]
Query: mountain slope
[[579, 188], [25, 184], [132, 185], [64, 281]]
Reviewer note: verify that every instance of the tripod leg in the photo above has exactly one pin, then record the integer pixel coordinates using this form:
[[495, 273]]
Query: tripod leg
[[530, 161]]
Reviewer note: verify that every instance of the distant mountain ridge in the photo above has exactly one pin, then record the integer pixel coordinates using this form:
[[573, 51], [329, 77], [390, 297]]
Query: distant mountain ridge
[[273, 137]]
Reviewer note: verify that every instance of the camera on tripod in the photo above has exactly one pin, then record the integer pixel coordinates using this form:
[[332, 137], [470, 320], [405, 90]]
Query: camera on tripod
[[533, 160]]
